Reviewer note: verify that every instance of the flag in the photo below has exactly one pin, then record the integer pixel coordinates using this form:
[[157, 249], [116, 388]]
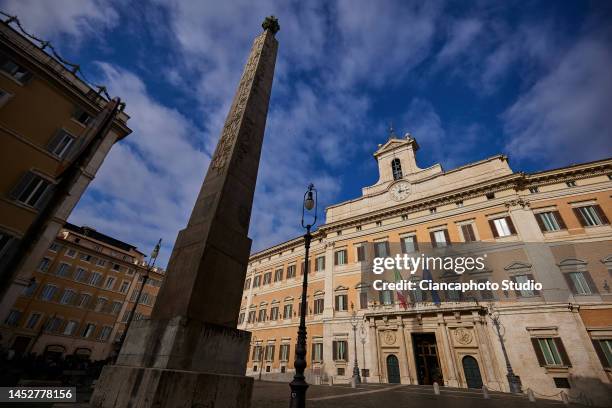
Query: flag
[[435, 298], [400, 294], [156, 250]]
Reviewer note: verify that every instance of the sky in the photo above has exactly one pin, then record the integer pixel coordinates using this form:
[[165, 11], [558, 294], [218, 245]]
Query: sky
[[469, 80]]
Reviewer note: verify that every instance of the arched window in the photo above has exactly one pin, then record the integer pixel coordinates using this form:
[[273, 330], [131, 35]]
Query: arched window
[[396, 167]]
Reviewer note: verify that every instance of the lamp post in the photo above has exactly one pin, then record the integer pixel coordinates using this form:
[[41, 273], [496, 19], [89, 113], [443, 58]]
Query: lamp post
[[145, 278], [363, 335], [356, 376], [513, 380], [299, 385]]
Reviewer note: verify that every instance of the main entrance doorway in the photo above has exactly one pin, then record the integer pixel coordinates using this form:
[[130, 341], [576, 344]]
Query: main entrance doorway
[[393, 373], [426, 357], [472, 372]]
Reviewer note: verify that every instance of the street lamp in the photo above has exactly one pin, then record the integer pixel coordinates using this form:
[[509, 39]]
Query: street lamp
[[299, 385], [145, 278], [513, 380], [363, 335], [356, 376]]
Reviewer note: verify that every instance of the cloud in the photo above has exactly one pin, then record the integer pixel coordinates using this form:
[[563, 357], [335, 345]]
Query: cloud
[[461, 35], [566, 108], [73, 18]]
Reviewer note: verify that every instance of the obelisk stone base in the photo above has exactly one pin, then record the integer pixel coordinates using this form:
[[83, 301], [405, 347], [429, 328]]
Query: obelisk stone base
[[138, 387]]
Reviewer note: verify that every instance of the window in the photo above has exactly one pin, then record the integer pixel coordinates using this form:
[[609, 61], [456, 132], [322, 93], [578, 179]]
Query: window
[[61, 144], [14, 70], [267, 278], [32, 190], [570, 183], [440, 238], [48, 292], [502, 227], [116, 267], [4, 97], [550, 221], [81, 275], [381, 249], [53, 324], [363, 300], [262, 315], [340, 257], [433, 210], [101, 304], [404, 217], [44, 264], [485, 294], [63, 270], [523, 279], [70, 328], [591, 215], [88, 330], [361, 253], [320, 263], [85, 257], [110, 283], [303, 265], [269, 353], [409, 244], [358, 228], [81, 116], [340, 371], [284, 352], [533, 190], [256, 353], [317, 352], [104, 333], [379, 223], [550, 351], [116, 307], [490, 196], [95, 279], [71, 253], [30, 289], [341, 303], [101, 262], [396, 169], [67, 297], [5, 241], [291, 271], [257, 281], [580, 283], [13, 318], [603, 348], [278, 275], [288, 311], [125, 285], [340, 350], [459, 204], [33, 321], [251, 317], [274, 313], [385, 297], [84, 300], [247, 284], [468, 233], [241, 318], [318, 306], [54, 247]]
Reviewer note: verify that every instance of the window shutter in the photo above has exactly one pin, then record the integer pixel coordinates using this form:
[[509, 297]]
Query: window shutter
[[388, 251], [601, 214], [540, 222], [336, 258], [493, 229], [562, 352], [516, 292], [416, 244], [535, 291], [538, 351], [559, 220], [23, 183], [55, 141], [579, 216], [337, 301], [45, 197], [447, 237], [335, 347], [511, 225], [601, 354], [570, 282], [589, 279], [432, 237]]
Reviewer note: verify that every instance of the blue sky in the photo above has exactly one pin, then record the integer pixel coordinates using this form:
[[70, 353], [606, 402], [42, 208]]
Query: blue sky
[[468, 79]]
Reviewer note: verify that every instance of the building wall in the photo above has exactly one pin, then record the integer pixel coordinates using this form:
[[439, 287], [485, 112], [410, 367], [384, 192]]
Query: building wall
[[548, 256]]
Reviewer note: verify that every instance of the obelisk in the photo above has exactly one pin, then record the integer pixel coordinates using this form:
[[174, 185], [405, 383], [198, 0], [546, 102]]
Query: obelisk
[[190, 352]]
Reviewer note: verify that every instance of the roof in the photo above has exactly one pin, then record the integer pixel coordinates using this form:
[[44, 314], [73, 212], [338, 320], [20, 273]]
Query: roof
[[98, 236]]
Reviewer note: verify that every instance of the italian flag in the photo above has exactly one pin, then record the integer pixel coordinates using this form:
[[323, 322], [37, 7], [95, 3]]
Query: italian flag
[[400, 294]]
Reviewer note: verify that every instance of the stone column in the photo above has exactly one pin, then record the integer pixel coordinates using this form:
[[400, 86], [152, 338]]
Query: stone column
[[374, 359], [403, 355], [190, 352]]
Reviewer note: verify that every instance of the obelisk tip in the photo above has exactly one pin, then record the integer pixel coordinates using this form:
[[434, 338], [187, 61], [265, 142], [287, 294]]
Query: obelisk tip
[[271, 23]]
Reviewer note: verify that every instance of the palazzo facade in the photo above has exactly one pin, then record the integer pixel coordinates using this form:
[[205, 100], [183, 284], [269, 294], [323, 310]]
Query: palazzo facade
[[550, 227]]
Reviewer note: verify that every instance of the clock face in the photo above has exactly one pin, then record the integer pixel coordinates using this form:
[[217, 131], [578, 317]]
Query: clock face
[[400, 190]]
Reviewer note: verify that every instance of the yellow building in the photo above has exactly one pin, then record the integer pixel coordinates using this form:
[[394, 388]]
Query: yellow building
[[78, 298], [549, 227], [55, 131]]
